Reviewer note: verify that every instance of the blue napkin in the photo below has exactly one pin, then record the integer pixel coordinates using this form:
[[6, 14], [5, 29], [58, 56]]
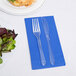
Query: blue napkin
[[54, 41]]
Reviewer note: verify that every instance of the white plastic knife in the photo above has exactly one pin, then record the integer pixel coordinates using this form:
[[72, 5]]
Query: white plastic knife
[[47, 34]]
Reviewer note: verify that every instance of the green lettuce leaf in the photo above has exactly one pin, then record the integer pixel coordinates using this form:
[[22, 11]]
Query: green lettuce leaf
[[1, 61], [11, 0], [9, 45]]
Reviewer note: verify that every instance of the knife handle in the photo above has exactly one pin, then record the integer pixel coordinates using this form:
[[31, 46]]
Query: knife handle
[[52, 61]]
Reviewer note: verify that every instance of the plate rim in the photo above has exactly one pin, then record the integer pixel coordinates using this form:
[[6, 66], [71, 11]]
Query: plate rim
[[25, 13]]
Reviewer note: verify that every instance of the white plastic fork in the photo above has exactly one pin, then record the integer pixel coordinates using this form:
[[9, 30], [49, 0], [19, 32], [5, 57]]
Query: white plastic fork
[[37, 32]]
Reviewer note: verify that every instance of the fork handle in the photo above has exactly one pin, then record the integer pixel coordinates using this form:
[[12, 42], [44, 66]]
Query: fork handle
[[43, 61]]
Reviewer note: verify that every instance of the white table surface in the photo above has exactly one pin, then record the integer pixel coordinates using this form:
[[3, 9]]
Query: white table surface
[[64, 12]]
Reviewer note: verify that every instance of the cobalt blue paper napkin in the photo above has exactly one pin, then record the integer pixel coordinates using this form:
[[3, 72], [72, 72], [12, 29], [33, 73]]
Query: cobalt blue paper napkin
[[54, 41]]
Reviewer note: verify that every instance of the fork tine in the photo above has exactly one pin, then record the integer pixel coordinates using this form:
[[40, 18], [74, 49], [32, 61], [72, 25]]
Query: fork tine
[[35, 25]]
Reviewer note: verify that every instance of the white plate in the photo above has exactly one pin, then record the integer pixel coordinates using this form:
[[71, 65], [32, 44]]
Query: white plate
[[8, 8]]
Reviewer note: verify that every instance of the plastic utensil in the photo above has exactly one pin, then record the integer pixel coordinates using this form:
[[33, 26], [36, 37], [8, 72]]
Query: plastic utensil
[[37, 32], [47, 34]]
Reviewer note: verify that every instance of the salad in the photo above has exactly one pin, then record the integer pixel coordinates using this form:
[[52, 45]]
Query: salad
[[7, 41]]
